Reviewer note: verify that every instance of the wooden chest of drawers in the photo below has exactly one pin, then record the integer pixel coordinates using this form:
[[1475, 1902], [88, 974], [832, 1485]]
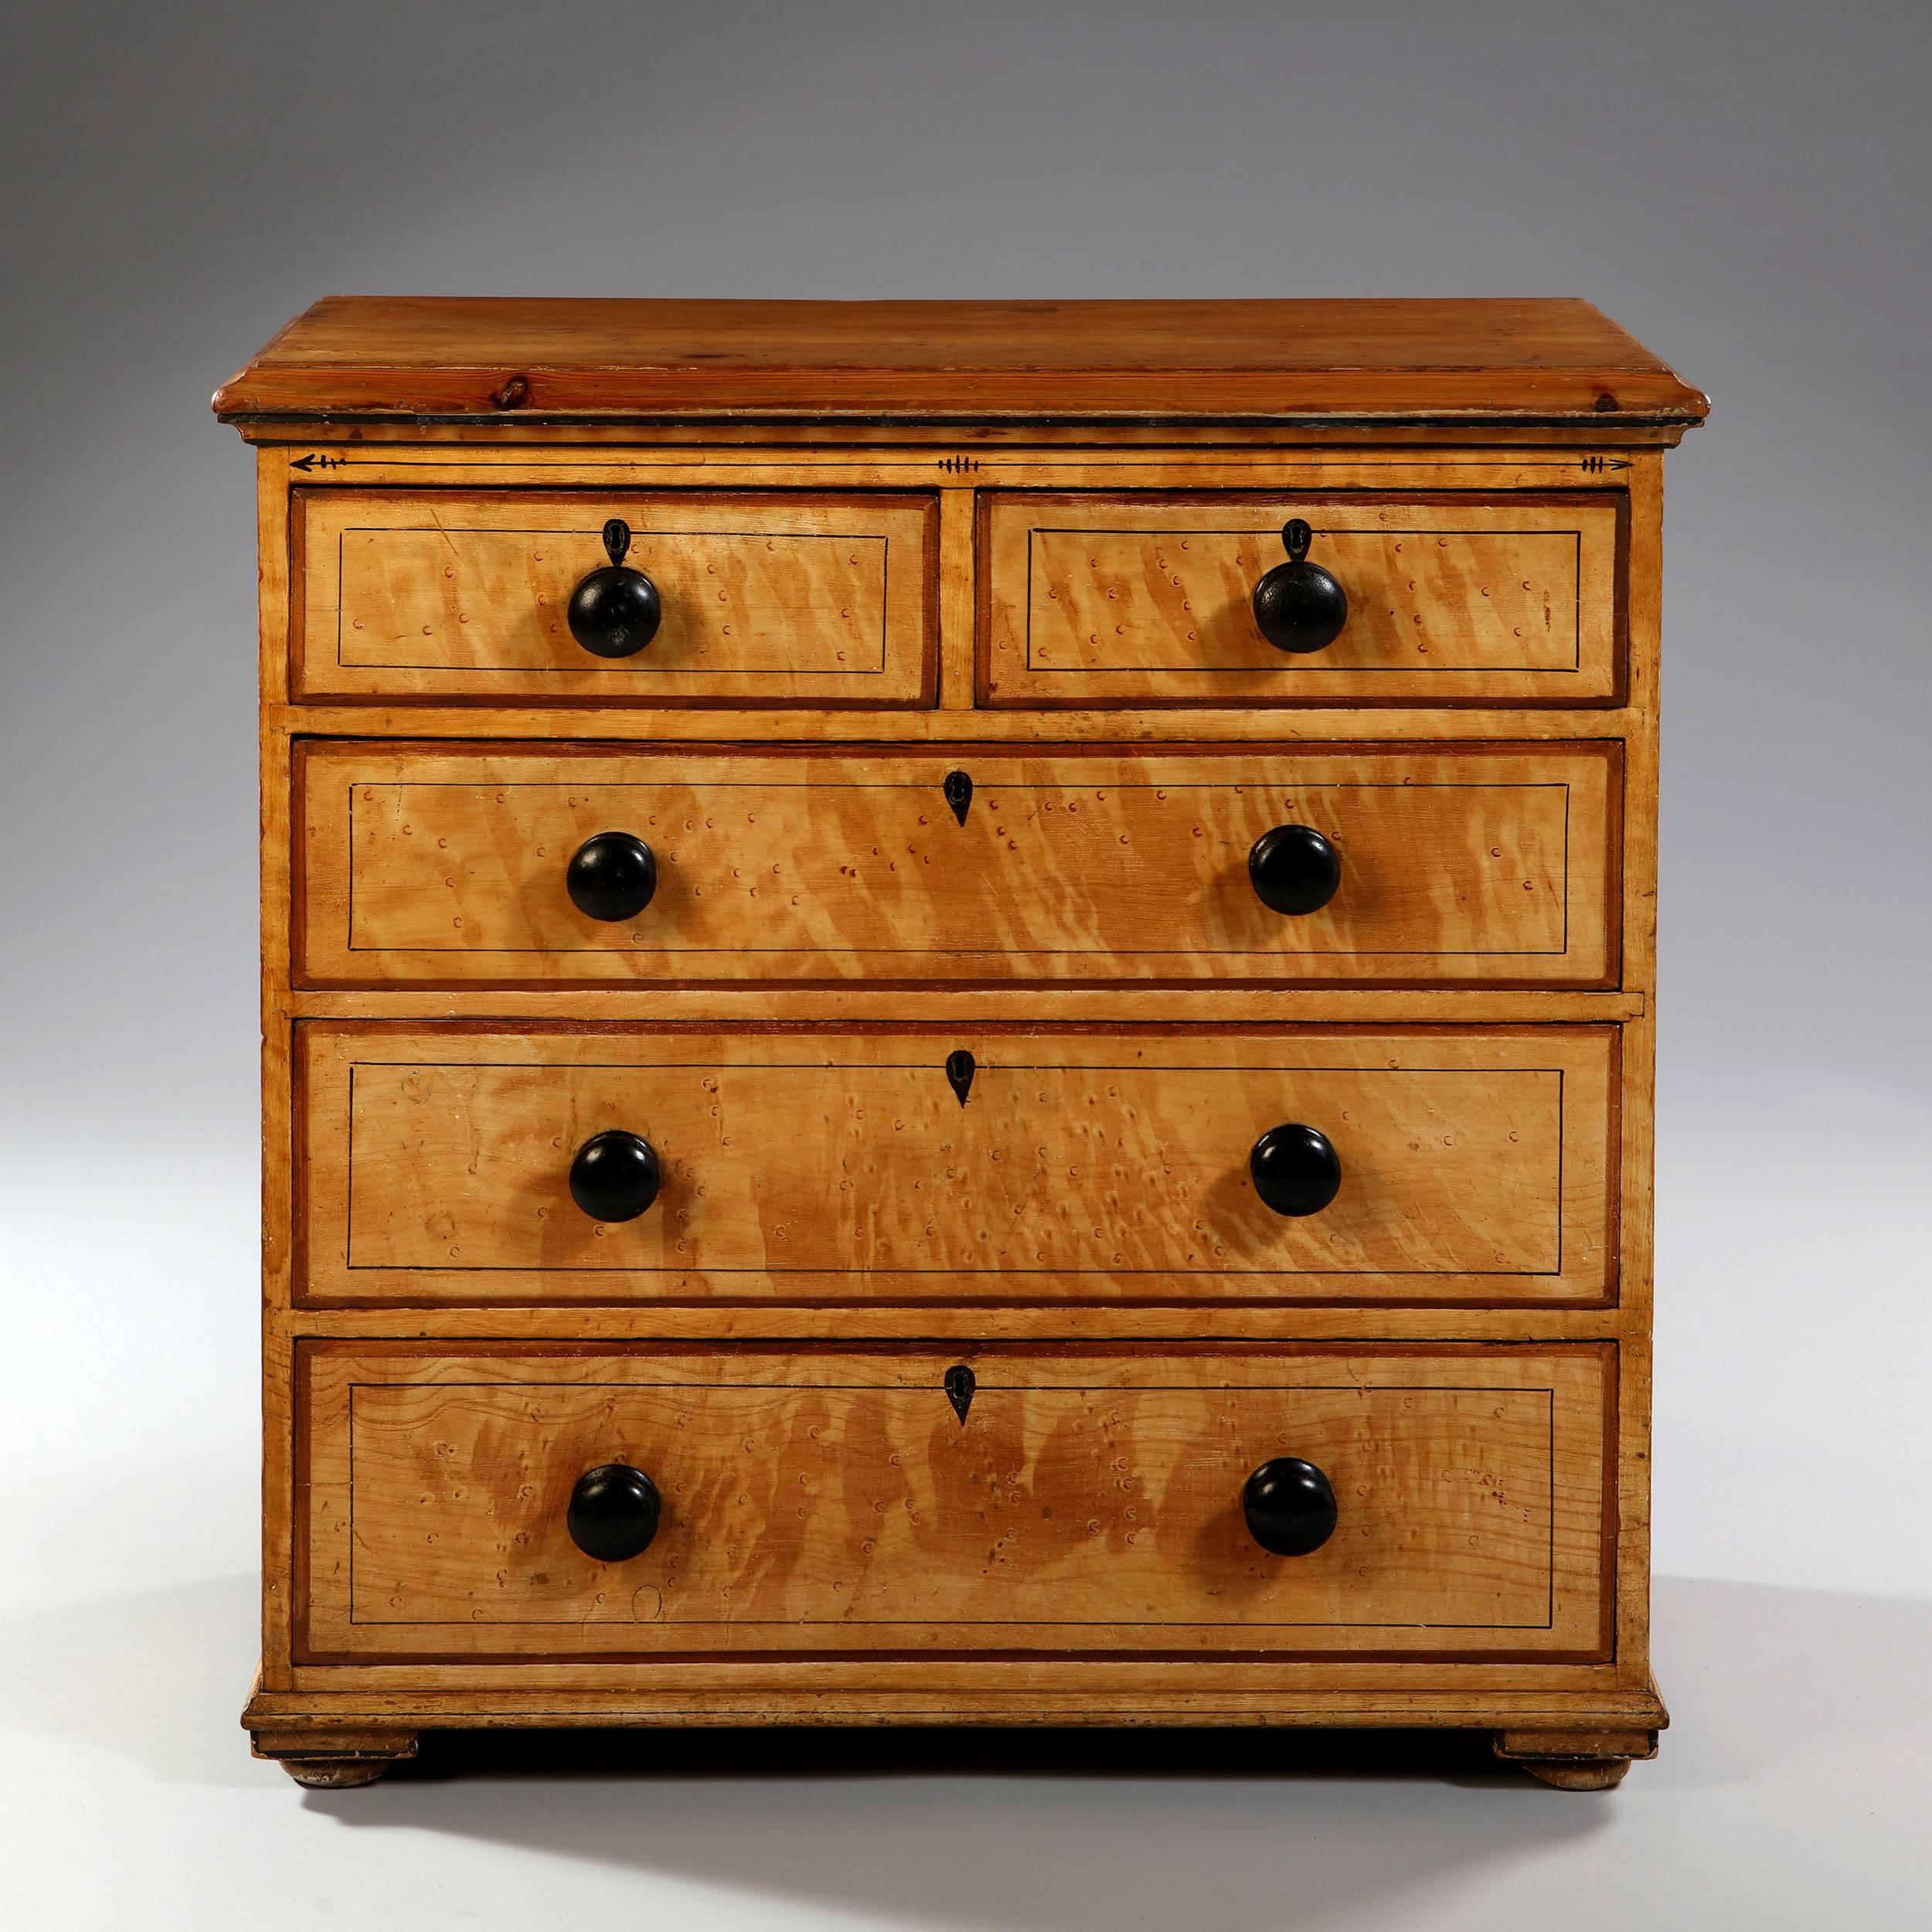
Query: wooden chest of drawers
[[958, 1016]]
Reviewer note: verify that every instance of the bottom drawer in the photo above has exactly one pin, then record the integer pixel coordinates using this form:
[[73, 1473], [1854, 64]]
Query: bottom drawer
[[832, 1501]]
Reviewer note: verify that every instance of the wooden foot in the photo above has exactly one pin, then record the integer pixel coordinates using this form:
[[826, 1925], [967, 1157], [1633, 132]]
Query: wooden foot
[[1575, 1760], [334, 1760], [335, 1774], [1576, 1773]]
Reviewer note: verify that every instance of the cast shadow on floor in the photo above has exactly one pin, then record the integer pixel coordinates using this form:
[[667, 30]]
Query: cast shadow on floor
[[1019, 1831], [1130, 1832]]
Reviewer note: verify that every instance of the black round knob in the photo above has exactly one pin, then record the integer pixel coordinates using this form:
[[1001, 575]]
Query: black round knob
[[612, 876], [613, 1513], [1294, 869], [614, 1176], [1295, 1169], [615, 612], [1290, 1506], [1299, 606]]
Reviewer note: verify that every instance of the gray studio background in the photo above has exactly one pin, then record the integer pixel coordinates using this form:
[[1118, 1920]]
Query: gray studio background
[[1746, 187]]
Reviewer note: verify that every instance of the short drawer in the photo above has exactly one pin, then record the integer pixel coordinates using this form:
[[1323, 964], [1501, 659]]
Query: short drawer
[[765, 600], [444, 1163], [1141, 599], [857, 1501], [1480, 864]]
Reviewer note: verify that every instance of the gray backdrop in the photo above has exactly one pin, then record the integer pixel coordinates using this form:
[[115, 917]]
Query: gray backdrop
[[1745, 186]]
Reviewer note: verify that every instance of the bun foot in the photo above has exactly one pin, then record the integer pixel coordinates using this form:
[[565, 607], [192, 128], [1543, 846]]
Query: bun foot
[[1575, 1760], [323, 1761], [1577, 1773], [335, 1774]]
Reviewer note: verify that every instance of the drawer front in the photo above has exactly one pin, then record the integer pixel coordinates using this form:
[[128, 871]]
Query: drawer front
[[1140, 600], [840, 1502], [1472, 865], [993, 1168], [766, 600]]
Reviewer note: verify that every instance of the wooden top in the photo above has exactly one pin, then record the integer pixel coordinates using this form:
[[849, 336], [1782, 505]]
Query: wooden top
[[1451, 362]]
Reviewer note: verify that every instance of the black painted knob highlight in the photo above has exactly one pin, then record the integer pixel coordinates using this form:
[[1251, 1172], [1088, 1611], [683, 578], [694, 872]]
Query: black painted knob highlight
[[615, 612], [613, 1513], [1294, 869], [1295, 1169], [614, 1176], [1290, 1506], [1299, 606], [612, 876]]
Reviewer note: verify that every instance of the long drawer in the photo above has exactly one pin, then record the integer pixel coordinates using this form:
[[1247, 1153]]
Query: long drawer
[[768, 600], [1488, 865], [449, 1163], [751, 1500], [1140, 599]]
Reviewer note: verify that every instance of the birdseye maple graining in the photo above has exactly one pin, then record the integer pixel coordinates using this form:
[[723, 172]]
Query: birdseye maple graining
[[831, 1502], [1487, 865], [852, 1167], [800, 600], [1110, 602], [957, 1016]]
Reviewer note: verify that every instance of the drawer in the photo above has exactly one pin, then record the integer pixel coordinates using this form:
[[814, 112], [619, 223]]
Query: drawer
[[821, 1501], [766, 600], [1142, 600], [1471, 865], [446, 1163]]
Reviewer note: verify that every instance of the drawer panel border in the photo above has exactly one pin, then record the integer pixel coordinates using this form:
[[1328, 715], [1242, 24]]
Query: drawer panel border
[[325, 1284], [1131, 1652]]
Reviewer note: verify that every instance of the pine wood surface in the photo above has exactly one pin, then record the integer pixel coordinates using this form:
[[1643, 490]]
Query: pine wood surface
[[837, 1502], [1199, 1004], [1491, 866], [818, 1168], [667, 475], [1151, 727], [804, 598], [699, 438], [957, 464], [1114, 600], [1483, 1688], [373, 1715], [1444, 360]]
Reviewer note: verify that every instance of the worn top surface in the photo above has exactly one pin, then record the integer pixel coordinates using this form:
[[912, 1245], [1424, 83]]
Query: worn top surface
[[618, 360]]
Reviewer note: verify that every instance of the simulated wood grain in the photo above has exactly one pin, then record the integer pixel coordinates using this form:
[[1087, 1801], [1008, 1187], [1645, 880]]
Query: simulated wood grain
[[835, 1167], [837, 1503], [1496, 404], [890, 1006], [278, 1286], [1444, 362], [965, 463], [338, 1702], [1172, 726], [1129, 599], [804, 598], [1486, 866]]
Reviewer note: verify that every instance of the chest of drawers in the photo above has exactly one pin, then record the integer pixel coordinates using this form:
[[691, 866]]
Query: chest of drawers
[[957, 1007]]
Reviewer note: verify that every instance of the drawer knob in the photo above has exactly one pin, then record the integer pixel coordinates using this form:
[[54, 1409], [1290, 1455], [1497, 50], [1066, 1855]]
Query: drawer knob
[[613, 1513], [616, 610], [1299, 606], [615, 1175], [1294, 869], [1290, 1506], [612, 876], [1295, 1169]]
